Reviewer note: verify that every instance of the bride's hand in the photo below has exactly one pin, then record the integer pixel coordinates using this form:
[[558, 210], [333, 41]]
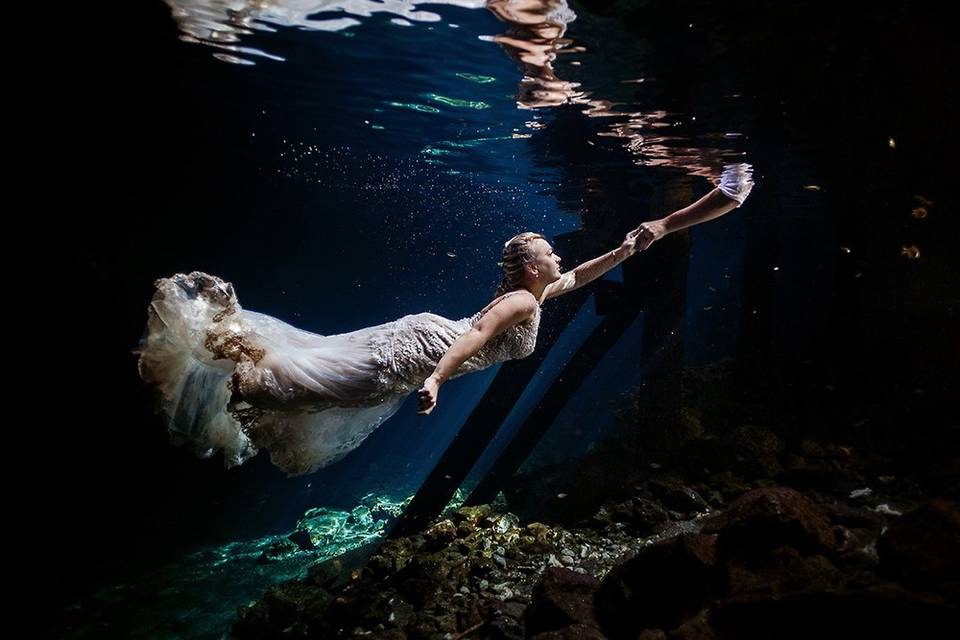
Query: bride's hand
[[650, 232], [428, 396], [629, 245]]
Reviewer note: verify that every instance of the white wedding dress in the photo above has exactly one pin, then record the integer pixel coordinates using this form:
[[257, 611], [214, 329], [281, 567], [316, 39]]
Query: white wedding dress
[[238, 380]]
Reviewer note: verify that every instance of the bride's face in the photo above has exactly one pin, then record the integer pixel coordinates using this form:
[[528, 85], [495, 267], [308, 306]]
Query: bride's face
[[547, 262]]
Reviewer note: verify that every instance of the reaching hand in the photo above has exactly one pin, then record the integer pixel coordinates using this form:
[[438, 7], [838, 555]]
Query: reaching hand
[[650, 232], [428, 396], [629, 244]]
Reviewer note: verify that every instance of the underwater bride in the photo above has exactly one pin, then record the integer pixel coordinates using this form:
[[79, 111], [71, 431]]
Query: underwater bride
[[231, 379]]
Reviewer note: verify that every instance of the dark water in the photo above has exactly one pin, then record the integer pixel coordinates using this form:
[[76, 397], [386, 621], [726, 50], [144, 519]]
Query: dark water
[[353, 162]]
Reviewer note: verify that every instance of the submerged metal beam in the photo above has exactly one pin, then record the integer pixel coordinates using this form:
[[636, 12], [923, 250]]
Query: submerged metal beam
[[590, 353]]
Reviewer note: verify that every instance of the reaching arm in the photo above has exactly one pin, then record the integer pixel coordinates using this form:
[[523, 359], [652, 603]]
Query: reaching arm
[[713, 205], [736, 183], [500, 317], [591, 269]]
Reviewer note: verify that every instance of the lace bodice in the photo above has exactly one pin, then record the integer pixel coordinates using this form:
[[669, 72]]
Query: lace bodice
[[517, 342], [408, 350]]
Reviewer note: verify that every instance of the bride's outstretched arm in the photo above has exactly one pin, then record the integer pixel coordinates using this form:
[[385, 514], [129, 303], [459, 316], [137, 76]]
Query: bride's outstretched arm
[[734, 187], [499, 318], [591, 269]]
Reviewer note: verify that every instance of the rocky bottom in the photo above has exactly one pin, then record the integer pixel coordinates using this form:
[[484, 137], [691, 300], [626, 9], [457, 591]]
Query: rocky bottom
[[849, 550]]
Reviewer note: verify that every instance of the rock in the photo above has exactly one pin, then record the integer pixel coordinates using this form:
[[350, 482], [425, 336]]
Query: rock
[[504, 628], [295, 597], [599, 520], [751, 450], [818, 449], [677, 496], [366, 606], [922, 547], [499, 522], [822, 475], [471, 515], [696, 627], [561, 598], [641, 515], [620, 511], [854, 517], [729, 485], [659, 586], [886, 509], [860, 565], [278, 550], [852, 539], [536, 538], [469, 612], [336, 572], [503, 590], [748, 450], [480, 566], [783, 571], [716, 499], [648, 517], [253, 622], [881, 612], [573, 632], [427, 626], [399, 611], [439, 535], [513, 609], [425, 576], [767, 518], [684, 499]]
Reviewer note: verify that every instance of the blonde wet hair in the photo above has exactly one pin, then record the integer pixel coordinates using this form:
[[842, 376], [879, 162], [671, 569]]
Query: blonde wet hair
[[517, 253]]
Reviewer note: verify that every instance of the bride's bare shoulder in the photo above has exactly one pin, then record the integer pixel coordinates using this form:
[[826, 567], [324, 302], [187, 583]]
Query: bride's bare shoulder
[[520, 303]]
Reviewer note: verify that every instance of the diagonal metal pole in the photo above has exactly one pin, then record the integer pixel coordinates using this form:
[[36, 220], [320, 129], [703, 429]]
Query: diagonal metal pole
[[603, 338]]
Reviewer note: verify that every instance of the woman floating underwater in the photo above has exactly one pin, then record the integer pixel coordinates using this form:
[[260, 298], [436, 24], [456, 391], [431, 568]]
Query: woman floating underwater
[[238, 380]]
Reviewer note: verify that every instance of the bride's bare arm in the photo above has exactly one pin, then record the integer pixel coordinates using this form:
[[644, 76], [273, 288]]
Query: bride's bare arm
[[496, 320], [591, 269], [713, 205]]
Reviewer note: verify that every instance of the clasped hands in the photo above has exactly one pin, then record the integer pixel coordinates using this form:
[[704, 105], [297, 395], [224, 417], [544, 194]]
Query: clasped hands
[[643, 236]]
